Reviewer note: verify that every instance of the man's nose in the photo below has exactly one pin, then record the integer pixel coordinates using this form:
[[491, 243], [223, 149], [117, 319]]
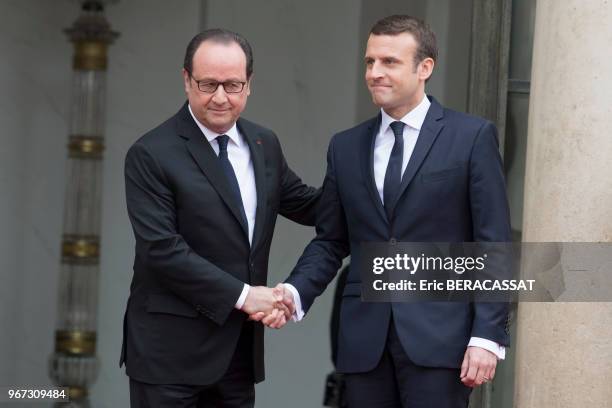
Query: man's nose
[[219, 96], [374, 71]]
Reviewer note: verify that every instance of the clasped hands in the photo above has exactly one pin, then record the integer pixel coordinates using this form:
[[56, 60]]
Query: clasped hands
[[271, 306]]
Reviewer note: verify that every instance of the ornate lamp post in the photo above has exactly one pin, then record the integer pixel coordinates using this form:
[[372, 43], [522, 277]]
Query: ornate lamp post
[[74, 363]]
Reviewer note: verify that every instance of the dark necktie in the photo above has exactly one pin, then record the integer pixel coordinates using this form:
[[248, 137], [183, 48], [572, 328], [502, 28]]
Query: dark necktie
[[393, 176], [226, 165]]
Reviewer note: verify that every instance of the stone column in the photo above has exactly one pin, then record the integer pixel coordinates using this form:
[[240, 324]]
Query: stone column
[[564, 356]]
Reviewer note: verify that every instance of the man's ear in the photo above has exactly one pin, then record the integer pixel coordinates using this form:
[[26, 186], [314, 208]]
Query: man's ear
[[426, 68], [186, 80], [248, 85]]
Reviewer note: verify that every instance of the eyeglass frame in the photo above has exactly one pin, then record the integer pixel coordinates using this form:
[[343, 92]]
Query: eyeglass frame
[[198, 82]]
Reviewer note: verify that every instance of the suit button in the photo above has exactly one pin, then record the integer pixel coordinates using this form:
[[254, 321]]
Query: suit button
[[393, 241], [252, 265]]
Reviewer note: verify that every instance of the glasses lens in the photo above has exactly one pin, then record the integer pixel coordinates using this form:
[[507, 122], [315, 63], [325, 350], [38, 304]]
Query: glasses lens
[[208, 86], [233, 87]]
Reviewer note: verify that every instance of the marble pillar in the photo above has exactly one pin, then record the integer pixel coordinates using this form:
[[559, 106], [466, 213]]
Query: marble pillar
[[564, 356]]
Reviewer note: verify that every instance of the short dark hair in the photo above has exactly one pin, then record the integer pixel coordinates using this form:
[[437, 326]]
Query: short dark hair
[[422, 33], [219, 35]]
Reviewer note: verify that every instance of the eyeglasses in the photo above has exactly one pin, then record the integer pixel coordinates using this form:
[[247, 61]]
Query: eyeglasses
[[207, 86]]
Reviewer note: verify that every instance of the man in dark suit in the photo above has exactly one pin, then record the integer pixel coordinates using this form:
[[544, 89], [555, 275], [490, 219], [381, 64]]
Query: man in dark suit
[[203, 192], [417, 172]]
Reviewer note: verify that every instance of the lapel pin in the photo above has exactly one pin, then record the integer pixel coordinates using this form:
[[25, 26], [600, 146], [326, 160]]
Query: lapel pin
[[258, 141]]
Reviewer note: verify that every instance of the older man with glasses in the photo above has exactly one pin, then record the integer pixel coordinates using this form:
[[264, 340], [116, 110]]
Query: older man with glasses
[[203, 192]]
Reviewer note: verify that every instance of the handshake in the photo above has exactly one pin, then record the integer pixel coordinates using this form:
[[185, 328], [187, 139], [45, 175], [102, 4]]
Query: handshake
[[271, 306]]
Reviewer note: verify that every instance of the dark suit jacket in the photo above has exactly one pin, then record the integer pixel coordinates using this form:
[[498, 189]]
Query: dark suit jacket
[[192, 252], [453, 190]]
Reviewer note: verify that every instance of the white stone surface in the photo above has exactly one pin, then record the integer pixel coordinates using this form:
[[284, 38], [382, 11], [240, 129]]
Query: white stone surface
[[35, 74], [564, 356]]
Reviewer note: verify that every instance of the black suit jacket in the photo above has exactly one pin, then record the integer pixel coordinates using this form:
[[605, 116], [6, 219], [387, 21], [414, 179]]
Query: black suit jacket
[[192, 252], [452, 190]]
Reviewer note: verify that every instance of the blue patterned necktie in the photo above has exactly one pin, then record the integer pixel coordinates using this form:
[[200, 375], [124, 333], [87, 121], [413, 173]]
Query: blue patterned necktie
[[393, 176], [226, 165]]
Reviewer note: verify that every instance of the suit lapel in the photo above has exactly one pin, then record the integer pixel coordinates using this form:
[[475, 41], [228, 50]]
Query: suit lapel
[[255, 143], [368, 140], [427, 136], [204, 155]]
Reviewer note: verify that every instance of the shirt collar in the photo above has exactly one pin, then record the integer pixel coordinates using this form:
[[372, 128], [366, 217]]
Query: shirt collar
[[210, 135], [414, 118]]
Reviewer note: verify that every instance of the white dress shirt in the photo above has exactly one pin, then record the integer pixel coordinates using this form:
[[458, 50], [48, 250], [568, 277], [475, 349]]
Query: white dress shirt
[[239, 155], [385, 140], [383, 145]]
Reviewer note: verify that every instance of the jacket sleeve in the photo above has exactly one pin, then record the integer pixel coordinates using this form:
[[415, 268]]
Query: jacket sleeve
[[490, 223], [161, 248], [323, 256]]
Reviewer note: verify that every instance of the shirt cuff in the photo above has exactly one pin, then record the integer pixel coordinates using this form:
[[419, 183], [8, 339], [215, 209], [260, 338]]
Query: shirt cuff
[[493, 347], [243, 296], [299, 313]]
